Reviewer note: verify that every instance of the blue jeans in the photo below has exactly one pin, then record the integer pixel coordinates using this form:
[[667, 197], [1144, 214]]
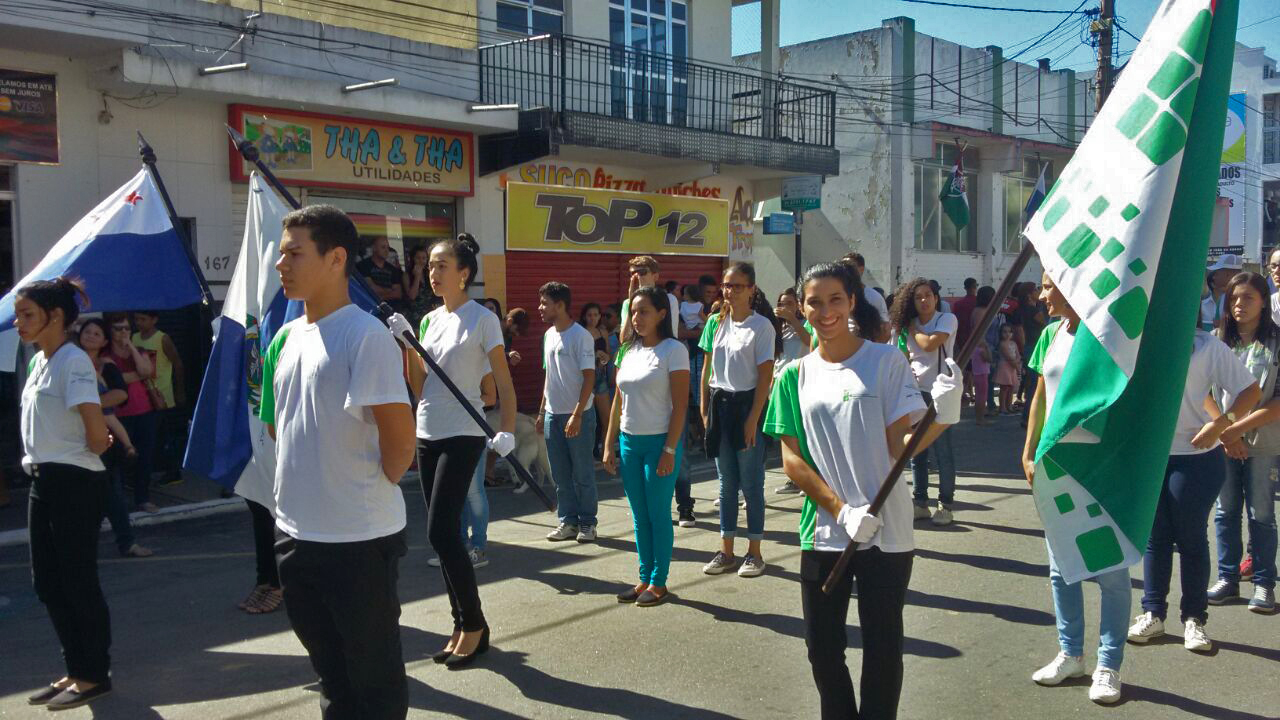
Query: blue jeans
[[475, 510], [741, 470], [118, 512], [573, 468], [649, 495], [1191, 483], [1068, 608], [945, 454], [1248, 487], [684, 478]]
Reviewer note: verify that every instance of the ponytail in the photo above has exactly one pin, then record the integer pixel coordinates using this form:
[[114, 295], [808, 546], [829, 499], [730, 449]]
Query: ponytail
[[61, 293], [464, 250]]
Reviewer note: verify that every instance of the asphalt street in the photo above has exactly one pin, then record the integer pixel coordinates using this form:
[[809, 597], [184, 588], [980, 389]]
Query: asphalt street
[[979, 620]]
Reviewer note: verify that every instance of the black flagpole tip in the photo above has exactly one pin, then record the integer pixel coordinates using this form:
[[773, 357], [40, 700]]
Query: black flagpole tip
[[144, 149], [247, 150]]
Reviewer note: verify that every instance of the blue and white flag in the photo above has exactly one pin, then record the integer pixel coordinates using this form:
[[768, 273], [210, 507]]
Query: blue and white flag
[[127, 253], [228, 443], [1037, 197]]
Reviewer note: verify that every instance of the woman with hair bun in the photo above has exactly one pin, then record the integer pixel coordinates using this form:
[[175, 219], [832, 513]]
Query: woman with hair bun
[[63, 436], [465, 338]]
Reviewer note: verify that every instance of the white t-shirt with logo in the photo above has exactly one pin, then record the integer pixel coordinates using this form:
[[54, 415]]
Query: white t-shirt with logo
[[319, 383], [51, 426], [838, 413], [926, 364], [1213, 367], [459, 342], [565, 355], [644, 379], [737, 350]]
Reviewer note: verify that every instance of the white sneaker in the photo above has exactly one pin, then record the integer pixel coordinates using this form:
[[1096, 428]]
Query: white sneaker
[[1060, 668], [751, 566], [921, 512], [587, 533], [1106, 686], [433, 561], [520, 488], [1145, 627], [563, 532], [478, 558], [1194, 637], [941, 516]]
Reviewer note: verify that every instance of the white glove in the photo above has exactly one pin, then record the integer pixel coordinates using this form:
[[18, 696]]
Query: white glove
[[398, 325], [946, 392], [502, 443], [859, 522]]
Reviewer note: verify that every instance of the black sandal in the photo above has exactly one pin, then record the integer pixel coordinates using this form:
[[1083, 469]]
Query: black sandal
[[268, 602]]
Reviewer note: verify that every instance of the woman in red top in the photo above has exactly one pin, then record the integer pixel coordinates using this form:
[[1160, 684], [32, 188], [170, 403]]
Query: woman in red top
[[136, 414]]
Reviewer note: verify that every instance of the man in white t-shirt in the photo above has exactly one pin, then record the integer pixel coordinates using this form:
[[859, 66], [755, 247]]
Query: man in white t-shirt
[[567, 416], [872, 298], [334, 399], [1213, 307]]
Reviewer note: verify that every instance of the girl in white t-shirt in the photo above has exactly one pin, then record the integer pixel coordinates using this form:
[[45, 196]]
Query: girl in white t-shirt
[[1049, 359], [647, 424], [465, 339], [739, 345], [927, 335], [843, 413], [63, 435]]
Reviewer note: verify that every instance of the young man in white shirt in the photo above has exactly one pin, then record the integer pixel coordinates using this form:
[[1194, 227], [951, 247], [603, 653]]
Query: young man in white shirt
[[566, 414], [334, 399]]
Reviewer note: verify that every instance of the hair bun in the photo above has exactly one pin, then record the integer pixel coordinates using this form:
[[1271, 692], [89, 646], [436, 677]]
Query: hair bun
[[468, 241]]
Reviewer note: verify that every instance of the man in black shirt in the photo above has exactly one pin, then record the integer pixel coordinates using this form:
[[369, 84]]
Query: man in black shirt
[[386, 276]]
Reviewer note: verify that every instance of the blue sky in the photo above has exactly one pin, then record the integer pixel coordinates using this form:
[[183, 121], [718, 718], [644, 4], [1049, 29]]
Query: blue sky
[[804, 20]]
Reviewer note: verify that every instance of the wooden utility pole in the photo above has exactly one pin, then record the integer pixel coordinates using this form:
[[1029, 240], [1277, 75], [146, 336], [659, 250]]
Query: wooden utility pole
[[1102, 29]]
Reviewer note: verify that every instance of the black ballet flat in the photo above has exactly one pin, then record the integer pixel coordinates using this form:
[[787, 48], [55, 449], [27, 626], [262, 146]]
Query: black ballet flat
[[441, 656], [456, 661]]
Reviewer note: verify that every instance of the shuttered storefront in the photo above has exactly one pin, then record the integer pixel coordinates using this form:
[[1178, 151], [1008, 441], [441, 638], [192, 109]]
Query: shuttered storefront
[[593, 277]]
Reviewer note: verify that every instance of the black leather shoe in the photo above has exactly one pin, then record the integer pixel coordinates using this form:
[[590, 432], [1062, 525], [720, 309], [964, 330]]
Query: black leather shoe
[[69, 698], [628, 596], [50, 692], [456, 661]]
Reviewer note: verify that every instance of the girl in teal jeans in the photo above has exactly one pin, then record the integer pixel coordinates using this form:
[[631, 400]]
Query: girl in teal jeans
[[647, 423]]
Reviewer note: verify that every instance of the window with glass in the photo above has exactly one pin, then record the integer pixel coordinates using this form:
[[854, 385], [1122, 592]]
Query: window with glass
[[648, 65], [1017, 193], [933, 229], [531, 17], [1271, 128]]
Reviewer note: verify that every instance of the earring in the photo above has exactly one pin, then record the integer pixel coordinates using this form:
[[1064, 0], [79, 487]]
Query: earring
[[462, 284]]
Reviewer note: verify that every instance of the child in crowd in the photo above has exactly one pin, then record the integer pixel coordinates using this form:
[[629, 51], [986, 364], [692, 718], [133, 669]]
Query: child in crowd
[[1007, 374], [691, 309]]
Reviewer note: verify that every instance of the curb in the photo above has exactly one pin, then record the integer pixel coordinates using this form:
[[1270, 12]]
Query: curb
[[164, 515]]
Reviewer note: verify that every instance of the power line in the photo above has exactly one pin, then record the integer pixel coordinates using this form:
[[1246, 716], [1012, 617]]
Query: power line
[[993, 7]]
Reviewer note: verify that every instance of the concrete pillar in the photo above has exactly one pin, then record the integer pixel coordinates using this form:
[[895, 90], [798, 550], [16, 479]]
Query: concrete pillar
[[769, 64]]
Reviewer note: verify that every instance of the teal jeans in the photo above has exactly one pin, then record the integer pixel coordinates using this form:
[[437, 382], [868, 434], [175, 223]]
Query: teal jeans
[[649, 495]]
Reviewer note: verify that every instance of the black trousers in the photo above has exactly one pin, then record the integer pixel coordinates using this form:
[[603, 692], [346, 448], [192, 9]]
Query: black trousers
[[446, 467], [342, 602], [264, 538], [882, 593], [64, 518]]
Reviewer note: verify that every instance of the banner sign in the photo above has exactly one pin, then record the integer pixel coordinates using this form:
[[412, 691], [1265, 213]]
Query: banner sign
[[28, 117], [568, 219], [314, 150], [1230, 215]]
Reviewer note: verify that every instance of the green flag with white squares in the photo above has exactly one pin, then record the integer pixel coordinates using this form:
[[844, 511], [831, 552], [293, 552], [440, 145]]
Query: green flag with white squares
[[1124, 233]]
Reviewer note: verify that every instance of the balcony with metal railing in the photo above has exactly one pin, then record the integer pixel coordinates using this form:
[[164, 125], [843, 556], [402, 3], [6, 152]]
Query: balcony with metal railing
[[615, 97]]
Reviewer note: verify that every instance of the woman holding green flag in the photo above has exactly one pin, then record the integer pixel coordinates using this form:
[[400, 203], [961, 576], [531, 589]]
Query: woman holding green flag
[[1048, 360]]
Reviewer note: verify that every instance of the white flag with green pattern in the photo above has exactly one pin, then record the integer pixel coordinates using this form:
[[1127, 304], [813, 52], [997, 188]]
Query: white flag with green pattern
[[1124, 233]]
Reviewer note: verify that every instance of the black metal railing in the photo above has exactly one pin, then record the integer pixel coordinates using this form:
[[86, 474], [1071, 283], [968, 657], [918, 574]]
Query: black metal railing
[[566, 74]]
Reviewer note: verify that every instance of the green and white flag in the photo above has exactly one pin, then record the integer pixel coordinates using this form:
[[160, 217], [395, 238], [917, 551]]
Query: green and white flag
[[955, 203], [1124, 233]]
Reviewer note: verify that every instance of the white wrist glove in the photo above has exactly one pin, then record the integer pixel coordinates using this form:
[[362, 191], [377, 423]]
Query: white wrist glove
[[502, 443], [398, 325], [859, 522], [946, 392]]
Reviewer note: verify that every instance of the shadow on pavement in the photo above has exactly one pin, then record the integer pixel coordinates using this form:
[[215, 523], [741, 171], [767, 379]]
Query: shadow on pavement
[[988, 562], [1138, 693], [1008, 613]]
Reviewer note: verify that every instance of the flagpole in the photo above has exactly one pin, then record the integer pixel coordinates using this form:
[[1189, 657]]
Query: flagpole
[[250, 153], [918, 433], [149, 160]]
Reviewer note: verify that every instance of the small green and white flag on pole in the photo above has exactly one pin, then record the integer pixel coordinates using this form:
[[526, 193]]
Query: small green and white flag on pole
[[955, 203], [1124, 233]]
